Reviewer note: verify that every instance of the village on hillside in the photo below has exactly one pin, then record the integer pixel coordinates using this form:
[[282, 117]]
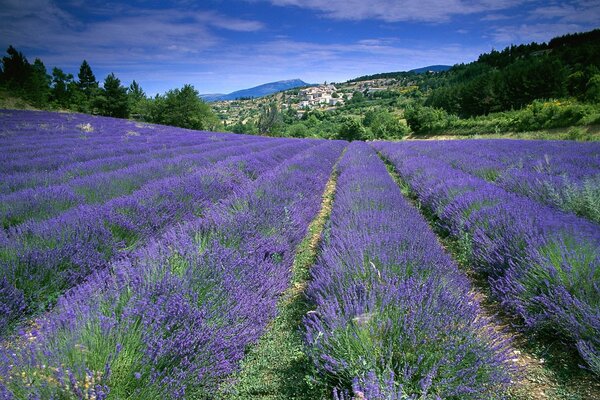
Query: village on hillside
[[325, 97]]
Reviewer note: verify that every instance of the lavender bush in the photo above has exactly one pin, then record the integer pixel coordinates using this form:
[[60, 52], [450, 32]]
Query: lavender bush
[[542, 264], [50, 256], [562, 174], [394, 317], [174, 319]]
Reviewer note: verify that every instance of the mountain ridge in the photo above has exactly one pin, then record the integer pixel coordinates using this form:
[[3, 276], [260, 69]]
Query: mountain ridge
[[256, 91]]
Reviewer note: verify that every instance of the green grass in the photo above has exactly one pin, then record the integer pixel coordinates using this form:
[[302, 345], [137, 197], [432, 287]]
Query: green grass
[[584, 133], [277, 366]]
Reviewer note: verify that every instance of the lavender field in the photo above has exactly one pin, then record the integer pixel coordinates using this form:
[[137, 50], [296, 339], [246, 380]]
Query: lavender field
[[143, 261]]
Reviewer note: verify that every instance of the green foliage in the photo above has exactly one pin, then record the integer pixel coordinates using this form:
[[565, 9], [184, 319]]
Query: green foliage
[[112, 100], [138, 101], [27, 81], [592, 91], [269, 120], [426, 119], [183, 108], [15, 69], [37, 87], [87, 81], [535, 116], [351, 129], [61, 89], [382, 124], [245, 128]]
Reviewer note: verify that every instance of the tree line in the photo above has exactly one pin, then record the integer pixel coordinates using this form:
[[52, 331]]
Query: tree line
[[181, 107], [516, 76]]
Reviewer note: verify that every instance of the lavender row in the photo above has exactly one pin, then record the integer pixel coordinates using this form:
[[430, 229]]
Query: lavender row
[[12, 182], [21, 131], [543, 265], [100, 143], [46, 202], [394, 317], [40, 260], [173, 321], [565, 175]]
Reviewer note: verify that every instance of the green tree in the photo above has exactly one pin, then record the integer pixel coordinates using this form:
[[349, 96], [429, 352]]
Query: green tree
[[112, 100], [351, 129], [298, 130], [87, 80], [592, 92], [60, 91], [247, 128], [37, 86], [384, 125], [87, 88], [425, 119], [269, 119], [138, 102], [184, 108], [15, 69]]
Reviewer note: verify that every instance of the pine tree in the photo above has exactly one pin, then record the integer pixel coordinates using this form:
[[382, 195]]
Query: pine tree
[[61, 85], [87, 81], [138, 102], [37, 87], [112, 100], [15, 69]]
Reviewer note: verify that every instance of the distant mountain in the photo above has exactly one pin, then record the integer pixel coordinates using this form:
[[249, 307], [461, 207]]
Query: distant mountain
[[212, 96], [257, 91], [431, 68]]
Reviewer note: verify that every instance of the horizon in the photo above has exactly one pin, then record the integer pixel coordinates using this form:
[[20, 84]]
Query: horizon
[[222, 47]]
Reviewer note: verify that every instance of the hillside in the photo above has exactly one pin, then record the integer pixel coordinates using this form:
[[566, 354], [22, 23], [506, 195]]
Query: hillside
[[523, 88]]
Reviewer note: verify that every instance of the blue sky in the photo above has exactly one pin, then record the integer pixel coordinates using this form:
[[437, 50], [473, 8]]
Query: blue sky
[[225, 45]]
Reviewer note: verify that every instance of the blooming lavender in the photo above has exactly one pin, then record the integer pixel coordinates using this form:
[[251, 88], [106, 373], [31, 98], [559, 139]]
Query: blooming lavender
[[394, 317], [562, 174], [173, 319], [542, 264], [41, 259]]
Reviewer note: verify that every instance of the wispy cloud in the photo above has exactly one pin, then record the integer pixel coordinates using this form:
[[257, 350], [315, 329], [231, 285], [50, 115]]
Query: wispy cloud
[[581, 12], [339, 61], [532, 32], [399, 10], [131, 35], [542, 23]]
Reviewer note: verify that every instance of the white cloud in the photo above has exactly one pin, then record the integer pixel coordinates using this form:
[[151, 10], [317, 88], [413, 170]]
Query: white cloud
[[550, 20], [399, 10], [526, 33], [117, 38], [580, 12]]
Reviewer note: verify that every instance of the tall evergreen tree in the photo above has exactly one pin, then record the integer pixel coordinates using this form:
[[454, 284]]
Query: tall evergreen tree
[[37, 87], [112, 100], [87, 89], [269, 118], [136, 91], [138, 102], [61, 87], [15, 69], [87, 81]]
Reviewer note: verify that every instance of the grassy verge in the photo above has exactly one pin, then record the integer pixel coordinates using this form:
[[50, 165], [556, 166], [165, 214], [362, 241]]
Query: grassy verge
[[577, 133], [277, 367], [548, 369]]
